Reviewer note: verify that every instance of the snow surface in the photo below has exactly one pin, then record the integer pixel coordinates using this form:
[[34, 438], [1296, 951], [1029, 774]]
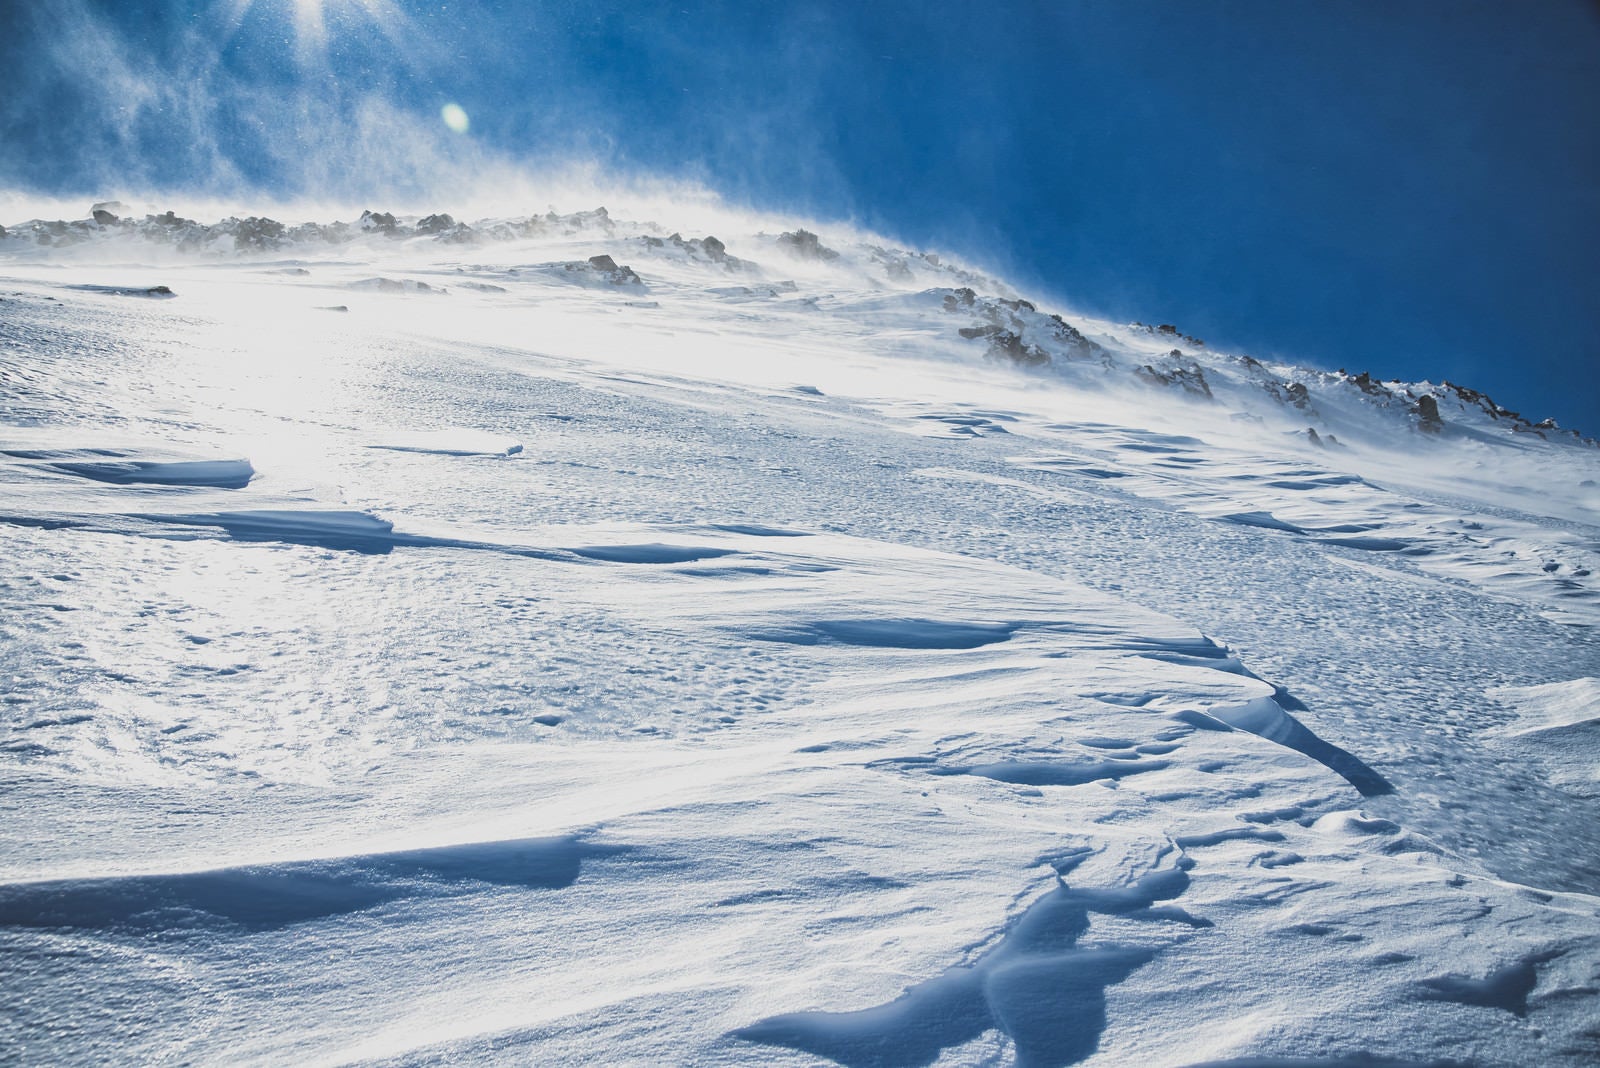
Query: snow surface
[[777, 649]]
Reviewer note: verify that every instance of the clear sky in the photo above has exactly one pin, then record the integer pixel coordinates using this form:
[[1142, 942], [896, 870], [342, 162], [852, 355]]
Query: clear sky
[[1411, 189]]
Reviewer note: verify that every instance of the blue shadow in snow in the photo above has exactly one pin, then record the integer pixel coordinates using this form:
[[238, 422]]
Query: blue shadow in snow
[[1036, 986], [893, 633], [212, 474], [650, 554], [276, 895], [1055, 773]]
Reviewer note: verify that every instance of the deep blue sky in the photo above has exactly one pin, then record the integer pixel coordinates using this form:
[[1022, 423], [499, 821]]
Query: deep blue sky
[[1407, 188]]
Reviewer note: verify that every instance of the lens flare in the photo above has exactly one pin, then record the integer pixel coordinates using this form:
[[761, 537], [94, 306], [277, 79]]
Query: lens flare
[[455, 117]]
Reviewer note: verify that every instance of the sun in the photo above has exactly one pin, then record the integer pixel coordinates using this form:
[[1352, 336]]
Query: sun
[[313, 22]]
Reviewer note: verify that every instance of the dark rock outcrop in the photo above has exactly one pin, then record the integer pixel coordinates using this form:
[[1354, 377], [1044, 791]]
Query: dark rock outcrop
[[1371, 386], [1427, 412], [1007, 345], [1482, 401], [1003, 344], [806, 245], [1074, 344], [604, 265], [381, 222], [256, 233], [957, 299], [1177, 372], [580, 221], [1018, 332], [708, 249], [1168, 330], [170, 220]]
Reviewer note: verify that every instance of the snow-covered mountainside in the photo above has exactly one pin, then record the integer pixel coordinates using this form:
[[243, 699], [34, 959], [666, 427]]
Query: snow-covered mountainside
[[559, 640]]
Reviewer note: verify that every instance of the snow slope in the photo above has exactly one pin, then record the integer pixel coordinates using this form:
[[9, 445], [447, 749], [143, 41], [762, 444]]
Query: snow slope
[[557, 640]]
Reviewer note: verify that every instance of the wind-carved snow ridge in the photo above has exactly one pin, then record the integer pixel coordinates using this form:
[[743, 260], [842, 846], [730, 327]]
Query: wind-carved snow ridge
[[568, 639], [1548, 566], [272, 896], [1037, 985], [1558, 726], [111, 465]]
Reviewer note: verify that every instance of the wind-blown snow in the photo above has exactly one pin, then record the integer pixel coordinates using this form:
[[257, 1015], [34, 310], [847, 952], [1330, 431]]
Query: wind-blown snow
[[594, 644]]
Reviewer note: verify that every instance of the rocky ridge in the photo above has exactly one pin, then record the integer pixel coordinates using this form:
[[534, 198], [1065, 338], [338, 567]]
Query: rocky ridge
[[1011, 330]]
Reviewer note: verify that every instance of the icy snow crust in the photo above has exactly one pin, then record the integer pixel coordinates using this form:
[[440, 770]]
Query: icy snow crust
[[577, 643]]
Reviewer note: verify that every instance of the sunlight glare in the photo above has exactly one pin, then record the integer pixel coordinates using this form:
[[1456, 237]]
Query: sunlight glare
[[310, 31], [315, 21]]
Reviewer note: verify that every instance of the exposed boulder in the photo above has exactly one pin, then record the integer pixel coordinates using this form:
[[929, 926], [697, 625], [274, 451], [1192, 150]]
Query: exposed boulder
[[895, 262], [1007, 345], [1485, 403], [169, 228], [579, 221], [957, 299], [1004, 344], [332, 233], [1018, 332], [1371, 386], [255, 233], [1427, 412], [435, 224], [105, 218], [608, 268], [1291, 394], [170, 220], [1177, 372], [398, 285], [381, 222], [707, 248], [806, 245], [1074, 344], [1168, 330]]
